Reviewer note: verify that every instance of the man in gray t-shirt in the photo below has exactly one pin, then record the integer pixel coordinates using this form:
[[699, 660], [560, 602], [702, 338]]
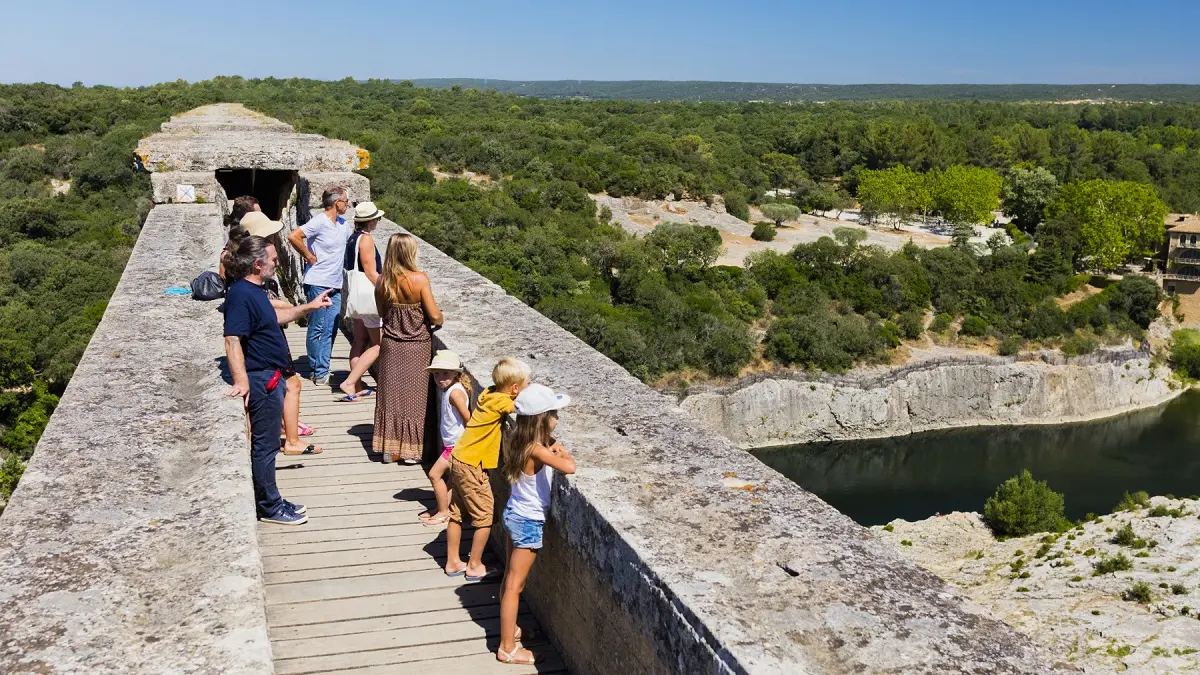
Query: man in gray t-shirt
[[322, 243]]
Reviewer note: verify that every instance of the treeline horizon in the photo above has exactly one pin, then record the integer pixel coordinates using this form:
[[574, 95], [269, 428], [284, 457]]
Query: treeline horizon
[[780, 92]]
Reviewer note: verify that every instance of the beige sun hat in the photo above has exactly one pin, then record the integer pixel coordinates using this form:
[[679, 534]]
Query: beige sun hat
[[366, 211], [445, 359], [259, 225]]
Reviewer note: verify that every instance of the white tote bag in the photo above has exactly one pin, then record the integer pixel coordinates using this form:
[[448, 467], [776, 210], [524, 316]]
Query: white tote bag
[[360, 292]]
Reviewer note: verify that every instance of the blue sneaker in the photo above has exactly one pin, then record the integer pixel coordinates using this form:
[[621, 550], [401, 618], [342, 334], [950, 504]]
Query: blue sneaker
[[298, 508], [286, 516]]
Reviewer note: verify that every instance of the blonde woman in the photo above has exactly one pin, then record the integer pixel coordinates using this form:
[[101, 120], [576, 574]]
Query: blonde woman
[[409, 312]]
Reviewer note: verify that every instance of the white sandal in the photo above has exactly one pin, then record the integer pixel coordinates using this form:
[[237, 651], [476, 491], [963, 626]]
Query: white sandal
[[515, 658]]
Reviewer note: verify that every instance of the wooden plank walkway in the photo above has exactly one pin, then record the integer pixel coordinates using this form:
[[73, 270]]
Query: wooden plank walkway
[[359, 589]]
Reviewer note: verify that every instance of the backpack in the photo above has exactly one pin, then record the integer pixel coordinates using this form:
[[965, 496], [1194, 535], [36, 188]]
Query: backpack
[[208, 286]]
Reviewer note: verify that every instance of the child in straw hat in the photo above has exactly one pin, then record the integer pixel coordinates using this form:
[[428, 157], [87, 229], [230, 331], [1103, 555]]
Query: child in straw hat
[[455, 385]]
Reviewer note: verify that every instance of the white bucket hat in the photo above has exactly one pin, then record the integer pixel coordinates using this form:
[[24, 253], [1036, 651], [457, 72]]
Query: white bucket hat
[[538, 398], [445, 359], [365, 211], [259, 225]]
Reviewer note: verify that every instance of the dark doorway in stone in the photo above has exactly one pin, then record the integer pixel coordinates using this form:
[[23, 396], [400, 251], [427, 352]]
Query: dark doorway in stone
[[271, 188]]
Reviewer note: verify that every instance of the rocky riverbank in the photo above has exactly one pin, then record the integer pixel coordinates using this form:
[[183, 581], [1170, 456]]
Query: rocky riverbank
[[1047, 586], [935, 393]]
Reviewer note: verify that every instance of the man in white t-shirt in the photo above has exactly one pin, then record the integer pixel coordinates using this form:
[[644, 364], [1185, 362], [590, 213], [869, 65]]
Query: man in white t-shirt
[[322, 243]]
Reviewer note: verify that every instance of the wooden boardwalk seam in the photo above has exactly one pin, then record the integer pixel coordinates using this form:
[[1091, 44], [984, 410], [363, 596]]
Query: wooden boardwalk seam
[[359, 589]]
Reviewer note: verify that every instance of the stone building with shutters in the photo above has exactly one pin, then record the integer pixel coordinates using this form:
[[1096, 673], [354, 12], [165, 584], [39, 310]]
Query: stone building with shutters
[[1181, 273]]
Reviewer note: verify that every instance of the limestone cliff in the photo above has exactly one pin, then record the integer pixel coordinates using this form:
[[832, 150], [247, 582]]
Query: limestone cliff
[[1043, 388]]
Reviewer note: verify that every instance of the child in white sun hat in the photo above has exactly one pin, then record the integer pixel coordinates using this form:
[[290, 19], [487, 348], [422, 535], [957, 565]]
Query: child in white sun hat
[[455, 385], [531, 455]]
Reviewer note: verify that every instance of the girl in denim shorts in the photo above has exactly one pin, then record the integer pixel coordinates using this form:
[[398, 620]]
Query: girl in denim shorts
[[531, 456]]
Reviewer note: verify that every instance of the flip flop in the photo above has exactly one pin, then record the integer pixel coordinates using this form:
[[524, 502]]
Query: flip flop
[[459, 573], [305, 430], [352, 398], [492, 572], [435, 521], [310, 450]]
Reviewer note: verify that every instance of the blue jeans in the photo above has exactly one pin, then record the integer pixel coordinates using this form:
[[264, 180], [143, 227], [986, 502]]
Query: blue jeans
[[266, 418], [322, 329]]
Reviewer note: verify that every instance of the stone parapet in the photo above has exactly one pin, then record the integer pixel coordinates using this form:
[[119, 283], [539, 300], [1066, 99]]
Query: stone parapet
[[229, 136], [188, 187], [673, 551], [314, 183], [129, 545]]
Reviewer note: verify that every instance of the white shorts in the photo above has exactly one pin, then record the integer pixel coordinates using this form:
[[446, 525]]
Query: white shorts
[[371, 321]]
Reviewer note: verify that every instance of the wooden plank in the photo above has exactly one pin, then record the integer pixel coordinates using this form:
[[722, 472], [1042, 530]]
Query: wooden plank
[[409, 637], [356, 544], [359, 587], [400, 661], [384, 604], [393, 622], [331, 560]]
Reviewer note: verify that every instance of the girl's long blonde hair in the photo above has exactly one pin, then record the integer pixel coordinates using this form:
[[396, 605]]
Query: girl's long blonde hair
[[401, 259], [519, 442]]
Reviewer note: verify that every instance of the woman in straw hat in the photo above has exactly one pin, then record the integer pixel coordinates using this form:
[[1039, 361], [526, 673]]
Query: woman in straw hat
[[361, 254], [405, 301]]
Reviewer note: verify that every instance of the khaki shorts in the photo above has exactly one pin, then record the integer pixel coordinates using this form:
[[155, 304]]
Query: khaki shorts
[[472, 494]]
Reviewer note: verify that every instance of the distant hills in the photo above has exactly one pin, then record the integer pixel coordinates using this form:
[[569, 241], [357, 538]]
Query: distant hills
[[658, 90]]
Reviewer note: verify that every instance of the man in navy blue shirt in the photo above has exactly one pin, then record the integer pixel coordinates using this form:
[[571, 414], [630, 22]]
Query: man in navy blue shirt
[[260, 363]]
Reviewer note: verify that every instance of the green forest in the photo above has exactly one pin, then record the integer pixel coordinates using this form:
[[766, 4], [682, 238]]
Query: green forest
[[1086, 183], [667, 90]]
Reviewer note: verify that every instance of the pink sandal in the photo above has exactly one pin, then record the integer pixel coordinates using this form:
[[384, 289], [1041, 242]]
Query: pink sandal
[[305, 430]]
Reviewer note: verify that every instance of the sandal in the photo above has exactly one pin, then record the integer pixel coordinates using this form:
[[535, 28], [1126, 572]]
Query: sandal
[[305, 430], [515, 657], [310, 450], [435, 521]]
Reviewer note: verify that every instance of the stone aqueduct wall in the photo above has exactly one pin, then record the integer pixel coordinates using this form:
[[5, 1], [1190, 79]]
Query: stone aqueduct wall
[[129, 546]]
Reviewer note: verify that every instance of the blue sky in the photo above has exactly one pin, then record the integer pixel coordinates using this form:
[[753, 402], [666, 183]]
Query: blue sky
[[128, 42]]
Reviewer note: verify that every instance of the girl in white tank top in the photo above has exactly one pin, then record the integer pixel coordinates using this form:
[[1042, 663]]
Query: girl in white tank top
[[531, 456], [455, 385]]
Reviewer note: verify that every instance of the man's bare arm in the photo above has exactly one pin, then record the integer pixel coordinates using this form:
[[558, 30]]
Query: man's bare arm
[[237, 366], [296, 239]]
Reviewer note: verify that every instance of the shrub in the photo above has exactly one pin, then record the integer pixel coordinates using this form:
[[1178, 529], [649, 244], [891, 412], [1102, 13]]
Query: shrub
[[974, 326], [1021, 506], [1090, 551], [1185, 352], [889, 527], [1010, 345], [1132, 502], [912, 323], [1112, 564], [1095, 612], [1162, 511], [1076, 578], [1127, 537], [1022, 589], [735, 205], [763, 232], [1139, 592], [1078, 344], [905, 542], [1179, 589], [941, 323]]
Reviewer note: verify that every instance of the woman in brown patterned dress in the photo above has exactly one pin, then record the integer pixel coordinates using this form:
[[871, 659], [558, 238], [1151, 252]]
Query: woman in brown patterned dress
[[406, 303]]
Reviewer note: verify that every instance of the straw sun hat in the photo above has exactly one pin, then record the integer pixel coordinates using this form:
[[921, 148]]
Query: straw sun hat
[[367, 211], [259, 225], [445, 359]]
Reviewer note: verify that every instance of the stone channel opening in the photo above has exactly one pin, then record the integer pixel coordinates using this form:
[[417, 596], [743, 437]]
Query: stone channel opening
[[271, 188]]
